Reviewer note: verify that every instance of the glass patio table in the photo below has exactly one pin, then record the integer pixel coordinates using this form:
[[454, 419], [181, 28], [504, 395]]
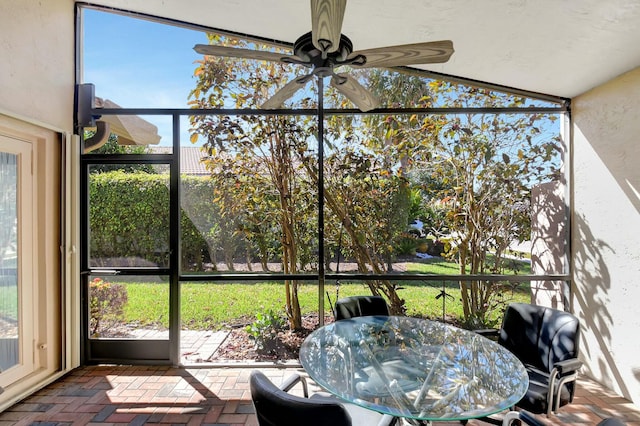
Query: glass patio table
[[414, 368]]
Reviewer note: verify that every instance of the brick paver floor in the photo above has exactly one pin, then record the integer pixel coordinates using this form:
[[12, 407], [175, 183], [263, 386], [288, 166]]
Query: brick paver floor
[[137, 395]]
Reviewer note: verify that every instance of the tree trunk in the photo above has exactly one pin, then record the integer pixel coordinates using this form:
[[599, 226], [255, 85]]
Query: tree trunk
[[362, 255], [283, 178]]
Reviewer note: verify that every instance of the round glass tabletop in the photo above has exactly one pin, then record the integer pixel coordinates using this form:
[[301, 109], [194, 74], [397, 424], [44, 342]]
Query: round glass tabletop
[[414, 368]]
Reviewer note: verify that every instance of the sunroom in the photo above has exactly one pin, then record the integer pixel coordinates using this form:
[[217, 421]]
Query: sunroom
[[558, 78]]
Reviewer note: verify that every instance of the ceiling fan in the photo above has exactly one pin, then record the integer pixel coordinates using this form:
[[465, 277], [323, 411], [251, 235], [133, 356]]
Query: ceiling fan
[[325, 48]]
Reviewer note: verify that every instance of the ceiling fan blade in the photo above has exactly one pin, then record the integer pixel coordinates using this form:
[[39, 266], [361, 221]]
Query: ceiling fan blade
[[285, 93], [432, 52], [232, 52], [356, 93], [326, 23]]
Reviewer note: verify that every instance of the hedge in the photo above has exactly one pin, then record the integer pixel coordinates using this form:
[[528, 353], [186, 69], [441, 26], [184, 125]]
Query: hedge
[[129, 219]]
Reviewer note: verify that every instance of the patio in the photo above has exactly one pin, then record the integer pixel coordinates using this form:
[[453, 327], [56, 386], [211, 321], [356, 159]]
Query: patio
[[540, 47], [136, 395]]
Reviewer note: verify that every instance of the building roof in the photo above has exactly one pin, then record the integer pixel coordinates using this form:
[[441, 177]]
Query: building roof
[[191, 158]]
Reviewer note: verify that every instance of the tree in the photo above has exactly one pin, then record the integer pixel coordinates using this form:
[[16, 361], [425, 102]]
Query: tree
[[255, 160], [367, 186], [488, 163], [357, 198], [366, 191], [266, 176]]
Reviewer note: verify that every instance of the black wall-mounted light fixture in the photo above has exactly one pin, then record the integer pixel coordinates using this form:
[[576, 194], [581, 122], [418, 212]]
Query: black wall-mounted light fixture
[[85, 103]]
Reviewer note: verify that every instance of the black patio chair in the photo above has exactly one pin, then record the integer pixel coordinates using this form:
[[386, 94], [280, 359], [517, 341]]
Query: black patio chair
[[274, 406], [546, 340], [359, 306]]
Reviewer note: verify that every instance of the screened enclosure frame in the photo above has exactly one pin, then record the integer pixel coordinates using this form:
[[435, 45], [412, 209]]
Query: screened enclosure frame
[[168, 351]]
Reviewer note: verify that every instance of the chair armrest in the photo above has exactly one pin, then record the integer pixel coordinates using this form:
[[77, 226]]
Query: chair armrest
[[568, 366], [388, 420], [523, 416], [563, 372], [292, 380]]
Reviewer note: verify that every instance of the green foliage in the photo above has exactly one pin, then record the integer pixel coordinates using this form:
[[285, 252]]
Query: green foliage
[[487, 165], [257, 164], [435, 219], [129, 219], [407, 245], [265, 328], [113, 147], [438, 247], [106, 305], [8, 297], [416, 204], [9, 176], [203, 230]]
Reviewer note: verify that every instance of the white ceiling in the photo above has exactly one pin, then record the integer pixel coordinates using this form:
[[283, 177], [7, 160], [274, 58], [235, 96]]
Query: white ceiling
[[555, 47]]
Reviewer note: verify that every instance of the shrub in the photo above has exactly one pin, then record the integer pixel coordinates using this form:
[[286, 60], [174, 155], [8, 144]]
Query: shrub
[[264, 329], [407, 245], [106, 305], [438, 247], [129, 219]]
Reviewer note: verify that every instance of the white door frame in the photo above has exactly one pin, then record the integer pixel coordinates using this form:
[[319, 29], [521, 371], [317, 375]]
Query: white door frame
[[25, 362]]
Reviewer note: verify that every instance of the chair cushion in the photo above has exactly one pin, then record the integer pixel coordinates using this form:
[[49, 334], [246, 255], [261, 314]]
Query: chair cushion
[[540, 336], [358, 306]]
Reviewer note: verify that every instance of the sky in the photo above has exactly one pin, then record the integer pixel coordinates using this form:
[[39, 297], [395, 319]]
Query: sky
[[140, 64]]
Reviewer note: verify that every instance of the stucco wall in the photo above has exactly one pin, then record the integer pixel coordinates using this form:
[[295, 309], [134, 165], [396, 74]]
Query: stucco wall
[[606, 231], [37, 66], [36, 93], [548, 243]]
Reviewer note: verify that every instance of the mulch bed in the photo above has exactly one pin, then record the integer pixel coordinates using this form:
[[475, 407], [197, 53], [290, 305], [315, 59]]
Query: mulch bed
[[239, 346]]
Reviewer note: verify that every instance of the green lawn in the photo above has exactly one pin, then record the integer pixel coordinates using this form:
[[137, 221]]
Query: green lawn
[[208, 305], [9, 301]]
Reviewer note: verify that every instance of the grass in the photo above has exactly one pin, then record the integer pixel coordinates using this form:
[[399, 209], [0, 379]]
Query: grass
[[440, 266], [211, 306], [9, 301]]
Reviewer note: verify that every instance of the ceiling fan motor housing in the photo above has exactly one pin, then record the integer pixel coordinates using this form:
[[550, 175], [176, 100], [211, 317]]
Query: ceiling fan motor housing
[[324, 62]]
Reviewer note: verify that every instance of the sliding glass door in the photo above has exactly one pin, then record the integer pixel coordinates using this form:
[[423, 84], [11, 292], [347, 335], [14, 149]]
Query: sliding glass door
[[16, 263]]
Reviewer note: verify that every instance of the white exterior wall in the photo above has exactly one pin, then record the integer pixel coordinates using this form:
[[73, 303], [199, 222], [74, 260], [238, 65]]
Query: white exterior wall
[[548, 243], [37, 66], [36, 96], [606, 231]]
